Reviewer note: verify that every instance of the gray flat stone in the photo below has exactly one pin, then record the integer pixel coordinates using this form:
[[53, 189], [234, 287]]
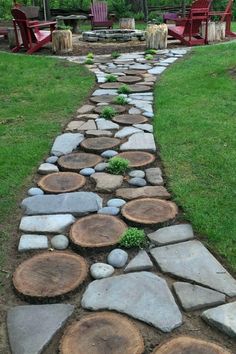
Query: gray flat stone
[[117, 258], [148, 114], [192, 261], [144, 105], [31, 328], [137, 173], [137, 181], [100, 167], [142, 295], [145, 127], [223, 318], [139, 141], [87, 108], [35, 191], [47, 168], [178, 51], [154, 176], [140, 262], [116, 202], [195, 297], [60, 242], [104, 124], [77, 203], [106, 182], [109, 153], [52, 159], [32, 242], [127, 131], [66, 143], [88, 116], [80, 125], [101, 92], [134, 111], [140, 67], [101, 270], [46, 223], [109, 210], [157, 70], [172, 234], [92, 133], [168, 61]]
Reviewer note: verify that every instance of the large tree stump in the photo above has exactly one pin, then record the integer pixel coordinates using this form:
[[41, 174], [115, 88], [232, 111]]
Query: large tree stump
[[211, 35], [127, 23], [12, 37], [220, 31], [62, 42], [156, 36]]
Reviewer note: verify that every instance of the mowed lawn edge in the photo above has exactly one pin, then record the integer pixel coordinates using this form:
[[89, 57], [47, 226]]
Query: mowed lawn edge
[[38, 97], [195, 129]]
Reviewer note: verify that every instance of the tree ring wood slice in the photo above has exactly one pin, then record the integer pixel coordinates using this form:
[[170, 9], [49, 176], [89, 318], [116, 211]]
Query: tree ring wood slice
[[77, 161], [137, 158], [96, 231], [100, 144], [102, 99], [134, 72], [186, 345], [62, 182], [102, 333], [111, 85], [149, 211], [129, 79], [50, 274], [130, 119], [140, 88], [118, 109]]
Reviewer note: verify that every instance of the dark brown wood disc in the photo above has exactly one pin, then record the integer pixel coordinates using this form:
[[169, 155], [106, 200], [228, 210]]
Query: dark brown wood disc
[[187, 345], [78, 160], [97, 230], [140, 88], [130, 119], [50, 274], [134, 72], [149, 211], [129, 79], [102, 98], [100, 144], [62, 182], [102, 333], [118, 109], [111, 85], [137, 158]]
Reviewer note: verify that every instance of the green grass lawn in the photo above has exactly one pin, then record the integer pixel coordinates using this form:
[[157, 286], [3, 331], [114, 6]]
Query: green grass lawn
[[195, 128], [37, 97]]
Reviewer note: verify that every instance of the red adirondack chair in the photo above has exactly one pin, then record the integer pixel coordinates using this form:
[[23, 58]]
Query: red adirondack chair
[[226, 16], [99, 16], [187, 29], [32, 37]]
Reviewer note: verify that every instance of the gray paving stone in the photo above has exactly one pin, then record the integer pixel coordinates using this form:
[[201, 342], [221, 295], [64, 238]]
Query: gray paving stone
[[47, 168], [60, 242], [101, 270], [87, 108], [134, 111], [157, 70], [31, 328], [117, 258], [77, 203], [140, 67], [101, 92], [92, 133], [145, 127], [168, 61], [35, 191], [88, 116], [46, 223], [154, 176], [222, 317], [126, 131], [116, 202], [192, 261], [179, 51], [195, 297], [106, 182], [109, 210], [140, 262], [66, 143], [172, 234], [144, 105], [139, 141], [32, 242], [77, 125], [148, 114], [104, 124], [142, 295]]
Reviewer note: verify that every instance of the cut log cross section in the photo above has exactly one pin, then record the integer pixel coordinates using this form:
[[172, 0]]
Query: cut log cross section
[[77, 161], [62, 182]]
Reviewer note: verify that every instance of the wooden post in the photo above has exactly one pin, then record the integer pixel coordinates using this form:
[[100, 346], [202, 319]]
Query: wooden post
[[62, 42], [156, 36], [145, 10], [12, 37], [220, 30], [127, 23], [211, 31]]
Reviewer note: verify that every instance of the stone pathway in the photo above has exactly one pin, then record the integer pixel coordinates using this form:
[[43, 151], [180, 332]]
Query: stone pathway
[[81, 208]]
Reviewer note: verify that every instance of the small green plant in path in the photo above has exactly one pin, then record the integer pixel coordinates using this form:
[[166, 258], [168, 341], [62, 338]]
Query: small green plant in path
[[121, 100], [118, 165], [124, 89], [89, 61], [149, 57], [133, 237], [115, 55], [111, 78], [108, 112], [90, 56], [150, 51]]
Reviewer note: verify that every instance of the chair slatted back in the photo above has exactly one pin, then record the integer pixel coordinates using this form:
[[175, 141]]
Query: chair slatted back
[[99, 11]]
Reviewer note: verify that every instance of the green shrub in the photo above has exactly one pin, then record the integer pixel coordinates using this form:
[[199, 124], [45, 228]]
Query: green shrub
[[149, 57], [63, 27], [121, 8], [111, 78], [121, 100], [133, 237], [90, 56], [115, 55], [89, 61], [118, 165], [124, 89], [108, 112], [139, 16], [151, 51]]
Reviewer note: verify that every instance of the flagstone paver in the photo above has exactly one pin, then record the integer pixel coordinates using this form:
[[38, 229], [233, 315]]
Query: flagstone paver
[[46, 223], [140, 262], [66, 143], [171, 234], [139, 141], [32, 242]]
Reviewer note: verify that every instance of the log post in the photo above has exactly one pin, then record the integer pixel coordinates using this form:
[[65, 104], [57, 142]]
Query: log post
[[127, 23], [156, 36], [211, 31], [62, 42], [12, 37]]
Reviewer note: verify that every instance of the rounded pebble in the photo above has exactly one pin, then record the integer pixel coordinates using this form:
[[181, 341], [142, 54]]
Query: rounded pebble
[[138, 182], [60, 242], [116, 202], [87, 171], [117, 258], [35, 191], [109, 210], [52, 159], [137, 173], [109, 153], [101, 270], [101, 166]]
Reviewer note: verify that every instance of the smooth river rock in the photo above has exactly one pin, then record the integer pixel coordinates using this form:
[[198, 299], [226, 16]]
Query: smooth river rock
[[109, 210], [47, 168], [47, 223], [117, 258], [143, 295], [137, 181], [172, 234], [116, 202], [66, 143], [60, 242], [35, 191], [101, 270], [154, 176]]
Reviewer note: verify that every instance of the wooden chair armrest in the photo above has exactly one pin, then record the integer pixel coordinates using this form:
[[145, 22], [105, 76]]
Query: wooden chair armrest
[[42, 24]]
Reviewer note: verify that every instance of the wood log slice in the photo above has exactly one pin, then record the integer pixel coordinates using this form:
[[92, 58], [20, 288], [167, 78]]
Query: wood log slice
[[62, 182], [137, 158], [78, 161], [62, 42], [140, 88], [102, 333], [134, 72], [149, 211], [50, 274], [97, 231], [129, 79], [130, 119], [118, 109], [100, 144], [111, 85], [186, 345], [103, 98], [127, 23]]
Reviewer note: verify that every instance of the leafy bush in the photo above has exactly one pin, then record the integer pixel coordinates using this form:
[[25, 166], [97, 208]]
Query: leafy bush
[[121, 100], [115, 55], [108, 112], [121, 8], [124, 89], [139, 16], [133, 237], [90, 56], [89, 61], [151, 51], [111, 78], [149, 57], [117, 165]]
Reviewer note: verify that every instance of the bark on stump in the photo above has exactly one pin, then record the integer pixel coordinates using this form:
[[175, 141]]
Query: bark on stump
[[211, 31], [220, 30], [156, 36], [62, 42], [127, 23], [12, 37]]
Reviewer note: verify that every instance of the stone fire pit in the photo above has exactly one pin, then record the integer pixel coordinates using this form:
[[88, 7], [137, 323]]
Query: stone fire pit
[[117, 35]]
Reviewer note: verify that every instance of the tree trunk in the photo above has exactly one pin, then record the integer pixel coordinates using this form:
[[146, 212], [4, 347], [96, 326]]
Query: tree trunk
[[156, 36], [127, 23], [136, 5], [211, 31], [62, 42]]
